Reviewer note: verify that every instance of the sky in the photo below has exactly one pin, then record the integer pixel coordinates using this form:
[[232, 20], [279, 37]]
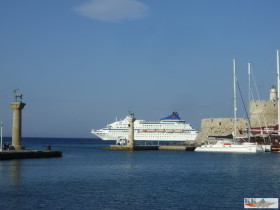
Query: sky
[[80, 64]]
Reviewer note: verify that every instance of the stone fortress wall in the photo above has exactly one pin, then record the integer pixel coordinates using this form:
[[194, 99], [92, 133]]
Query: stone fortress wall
[[219, 127], [262, 113]]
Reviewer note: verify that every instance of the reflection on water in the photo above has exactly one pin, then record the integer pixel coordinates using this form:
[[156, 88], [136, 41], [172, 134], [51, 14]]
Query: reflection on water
[[89, 178], [10, 172], [14, 172], [129, 161]]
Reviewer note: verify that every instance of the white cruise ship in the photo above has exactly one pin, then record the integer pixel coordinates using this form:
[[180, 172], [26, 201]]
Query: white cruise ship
[[170, 128]]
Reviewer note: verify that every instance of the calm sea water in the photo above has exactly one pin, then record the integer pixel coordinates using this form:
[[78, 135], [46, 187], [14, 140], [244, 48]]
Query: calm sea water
[[87, 177]]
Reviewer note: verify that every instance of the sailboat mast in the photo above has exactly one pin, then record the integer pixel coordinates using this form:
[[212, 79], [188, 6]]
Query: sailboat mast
[[249, 97], [278, 89], [234, 99]]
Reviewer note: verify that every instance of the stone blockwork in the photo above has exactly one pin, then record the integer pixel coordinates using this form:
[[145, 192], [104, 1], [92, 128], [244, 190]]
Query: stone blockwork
[[263, 113], [16, 130], [219, 127]]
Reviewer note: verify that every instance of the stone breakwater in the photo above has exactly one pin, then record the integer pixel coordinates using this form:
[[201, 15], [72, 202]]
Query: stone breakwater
[[25, 154]]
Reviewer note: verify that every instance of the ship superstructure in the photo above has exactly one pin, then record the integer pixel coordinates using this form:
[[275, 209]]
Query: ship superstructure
[[170, 128]]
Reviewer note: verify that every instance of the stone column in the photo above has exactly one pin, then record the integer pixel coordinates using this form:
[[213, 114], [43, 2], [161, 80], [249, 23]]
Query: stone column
[[16, 131], [130, 141]]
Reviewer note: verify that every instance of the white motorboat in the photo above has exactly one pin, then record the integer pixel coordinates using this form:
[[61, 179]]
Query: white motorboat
[[230, 146]]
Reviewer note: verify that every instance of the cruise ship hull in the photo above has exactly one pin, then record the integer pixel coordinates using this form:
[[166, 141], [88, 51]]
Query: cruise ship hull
[[140, 136], [171, 128]]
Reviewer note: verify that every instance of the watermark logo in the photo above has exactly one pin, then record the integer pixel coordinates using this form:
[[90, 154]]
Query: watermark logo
[[270, 203]]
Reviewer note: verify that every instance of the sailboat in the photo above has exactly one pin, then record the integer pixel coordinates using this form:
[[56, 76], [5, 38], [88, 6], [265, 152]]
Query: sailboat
[[266, 146], [271, 140], [231, 145]]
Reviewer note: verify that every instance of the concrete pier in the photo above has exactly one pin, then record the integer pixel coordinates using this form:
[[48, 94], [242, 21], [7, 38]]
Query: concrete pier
[[16, 130], [26, 154]]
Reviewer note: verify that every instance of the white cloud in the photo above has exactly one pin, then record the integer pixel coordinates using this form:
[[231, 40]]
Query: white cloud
[[113, 10]]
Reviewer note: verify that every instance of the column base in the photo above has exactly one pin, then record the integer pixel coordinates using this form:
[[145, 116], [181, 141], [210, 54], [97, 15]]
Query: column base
[[18, 147]]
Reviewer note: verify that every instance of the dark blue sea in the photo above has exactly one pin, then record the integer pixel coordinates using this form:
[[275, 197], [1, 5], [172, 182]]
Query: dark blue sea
[[87, 177]]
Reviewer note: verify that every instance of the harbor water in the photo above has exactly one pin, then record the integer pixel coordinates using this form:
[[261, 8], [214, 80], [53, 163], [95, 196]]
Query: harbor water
[[87, 177]]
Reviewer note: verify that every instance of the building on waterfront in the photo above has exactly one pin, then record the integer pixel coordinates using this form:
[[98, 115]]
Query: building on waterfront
[[262, 113], [219, 127]]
